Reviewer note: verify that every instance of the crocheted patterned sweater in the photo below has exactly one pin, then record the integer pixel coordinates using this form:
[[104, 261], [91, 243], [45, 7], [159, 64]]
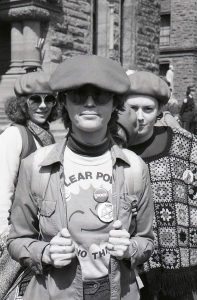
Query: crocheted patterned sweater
[[173, 173]]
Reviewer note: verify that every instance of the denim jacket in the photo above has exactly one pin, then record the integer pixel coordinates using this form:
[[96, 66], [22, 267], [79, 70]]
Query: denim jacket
[[39, 213]]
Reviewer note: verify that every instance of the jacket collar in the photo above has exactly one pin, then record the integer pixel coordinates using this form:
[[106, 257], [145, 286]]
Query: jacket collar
[[56, 155]]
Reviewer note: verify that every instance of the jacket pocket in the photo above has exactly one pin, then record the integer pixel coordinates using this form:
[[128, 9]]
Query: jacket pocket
[[47, 208], [128, 210], [48, 220]]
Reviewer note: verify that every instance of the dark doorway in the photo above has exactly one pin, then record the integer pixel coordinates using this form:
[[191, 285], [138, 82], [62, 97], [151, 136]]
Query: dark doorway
[[5, 47], [94, 27]]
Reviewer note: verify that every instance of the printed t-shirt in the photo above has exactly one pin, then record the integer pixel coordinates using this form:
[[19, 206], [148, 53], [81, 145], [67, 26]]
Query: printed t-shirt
[[88, 181]]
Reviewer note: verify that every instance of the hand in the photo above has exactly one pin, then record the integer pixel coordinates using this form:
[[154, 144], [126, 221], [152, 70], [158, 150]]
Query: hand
[[127, 119], [119, 241], [60, 251]]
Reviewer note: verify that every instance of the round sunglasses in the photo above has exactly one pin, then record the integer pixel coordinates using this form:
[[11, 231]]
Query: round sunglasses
[[35, 100]]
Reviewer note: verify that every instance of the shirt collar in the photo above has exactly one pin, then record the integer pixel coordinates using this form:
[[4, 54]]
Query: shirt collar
[[56, 155]]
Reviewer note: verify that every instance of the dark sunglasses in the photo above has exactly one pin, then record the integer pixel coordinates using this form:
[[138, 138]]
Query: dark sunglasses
[[36, 100], [80, 96]]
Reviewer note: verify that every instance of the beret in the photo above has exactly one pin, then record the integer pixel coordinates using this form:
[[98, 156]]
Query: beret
[[104, 73], [31, 83], [149, 84]]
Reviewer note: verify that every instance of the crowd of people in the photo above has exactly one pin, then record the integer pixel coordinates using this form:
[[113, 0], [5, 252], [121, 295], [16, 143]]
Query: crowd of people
[[109, 212]]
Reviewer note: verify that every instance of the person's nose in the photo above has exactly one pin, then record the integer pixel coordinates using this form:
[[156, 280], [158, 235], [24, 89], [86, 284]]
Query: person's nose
[[89, 101], [140, 115], [42, 104]]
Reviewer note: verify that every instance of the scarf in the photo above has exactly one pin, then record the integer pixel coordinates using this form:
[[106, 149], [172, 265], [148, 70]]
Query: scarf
[[90, 150], [42, 134]]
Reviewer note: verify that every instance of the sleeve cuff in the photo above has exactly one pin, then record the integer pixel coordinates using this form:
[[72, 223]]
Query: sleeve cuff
[[36, 249]]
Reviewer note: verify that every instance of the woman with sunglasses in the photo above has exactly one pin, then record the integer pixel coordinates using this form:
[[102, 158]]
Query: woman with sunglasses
[[30, 111], [76, 229]]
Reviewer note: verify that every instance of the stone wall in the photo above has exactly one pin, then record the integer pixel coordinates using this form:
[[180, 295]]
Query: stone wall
[[185, 74], [129, 35], [135, 35], [117, 30], [182, 51], [165, 6], [183, 23], [148, 26], [71, 30], [127, 31], [140, 34], [44, 32]]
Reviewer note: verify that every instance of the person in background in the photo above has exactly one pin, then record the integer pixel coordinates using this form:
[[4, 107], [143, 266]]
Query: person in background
[[165, 118], [30, 112], [187, 111], [169, 114], [170, 77], [76, 229], [170, 154]]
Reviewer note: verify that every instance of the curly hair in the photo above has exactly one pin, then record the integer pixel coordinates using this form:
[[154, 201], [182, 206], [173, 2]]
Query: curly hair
[[17, 110], [118, 103]]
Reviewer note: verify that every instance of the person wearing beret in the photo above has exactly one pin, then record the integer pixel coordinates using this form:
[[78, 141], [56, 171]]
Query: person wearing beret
[[170, 154], [30, 111], [187, 111], [76, 229]]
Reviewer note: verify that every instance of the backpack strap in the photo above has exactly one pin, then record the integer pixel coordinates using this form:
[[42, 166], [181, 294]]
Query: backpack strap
[[28, 143]]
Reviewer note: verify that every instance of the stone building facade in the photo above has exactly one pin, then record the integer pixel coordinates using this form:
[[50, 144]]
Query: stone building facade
[[178, 43], [40, 33]]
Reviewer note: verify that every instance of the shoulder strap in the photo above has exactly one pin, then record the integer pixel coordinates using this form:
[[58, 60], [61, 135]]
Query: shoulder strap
[[28, 143]]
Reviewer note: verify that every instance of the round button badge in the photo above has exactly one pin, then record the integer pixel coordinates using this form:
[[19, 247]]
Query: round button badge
[[188, 177], [101, 195], [105, 212]]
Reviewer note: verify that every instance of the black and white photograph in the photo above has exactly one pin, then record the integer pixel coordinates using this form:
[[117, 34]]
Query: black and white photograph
[[98, 149]]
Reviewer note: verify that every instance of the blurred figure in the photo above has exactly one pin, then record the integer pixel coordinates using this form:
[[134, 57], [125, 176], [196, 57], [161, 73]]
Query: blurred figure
[[170, 77], [130, 71], [169, 114], [165, 118], [187, 111]]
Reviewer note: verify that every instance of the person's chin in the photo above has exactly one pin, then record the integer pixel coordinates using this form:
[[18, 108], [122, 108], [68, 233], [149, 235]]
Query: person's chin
[[40, 119], [141, 132]]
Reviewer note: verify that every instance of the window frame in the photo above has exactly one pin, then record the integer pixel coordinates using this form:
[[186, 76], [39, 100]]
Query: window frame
[[165, 29]]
